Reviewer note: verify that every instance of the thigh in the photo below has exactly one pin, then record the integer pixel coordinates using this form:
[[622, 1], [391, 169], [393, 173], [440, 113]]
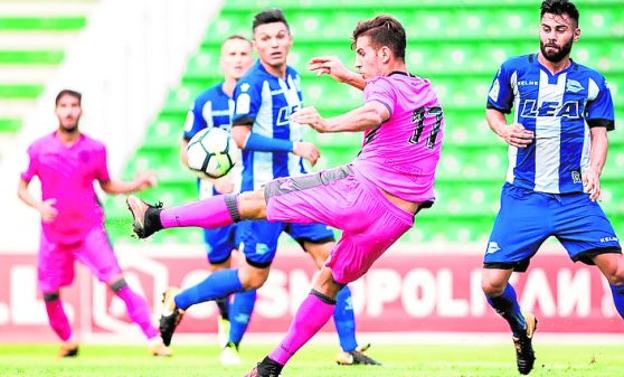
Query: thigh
[[258, 241], [55, 267], [326, 197], [219, 243], [355, 252], [98, 255], [583, 229], [521, 226]]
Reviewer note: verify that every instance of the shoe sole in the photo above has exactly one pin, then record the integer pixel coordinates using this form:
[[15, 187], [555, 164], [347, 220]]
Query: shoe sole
[[531, 324], [137, 224]]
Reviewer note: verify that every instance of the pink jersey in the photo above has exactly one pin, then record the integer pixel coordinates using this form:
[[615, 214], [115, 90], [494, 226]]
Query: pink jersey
[[400, 155], [67, 175]]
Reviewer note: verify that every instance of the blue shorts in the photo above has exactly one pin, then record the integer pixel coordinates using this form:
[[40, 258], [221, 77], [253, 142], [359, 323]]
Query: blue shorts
[[258, 238], [220, 242], [527, 218]]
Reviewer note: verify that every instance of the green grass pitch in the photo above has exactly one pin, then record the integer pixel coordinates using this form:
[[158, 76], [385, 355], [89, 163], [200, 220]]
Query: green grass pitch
[[314, 361]]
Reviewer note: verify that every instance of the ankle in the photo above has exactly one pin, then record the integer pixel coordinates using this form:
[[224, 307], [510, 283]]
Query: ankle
[[153, 215], [268, 361]]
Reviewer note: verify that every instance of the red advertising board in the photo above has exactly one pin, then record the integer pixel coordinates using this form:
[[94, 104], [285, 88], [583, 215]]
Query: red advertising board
[[422, 292]]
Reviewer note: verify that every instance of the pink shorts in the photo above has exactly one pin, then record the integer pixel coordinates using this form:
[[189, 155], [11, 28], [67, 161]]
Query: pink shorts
[[339, 198], [56, 260]]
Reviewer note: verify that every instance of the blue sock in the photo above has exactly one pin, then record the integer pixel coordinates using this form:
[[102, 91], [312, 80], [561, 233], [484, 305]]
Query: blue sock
[[344, 320], [240, 314], [507, 306], [618, 298], [218, 284]]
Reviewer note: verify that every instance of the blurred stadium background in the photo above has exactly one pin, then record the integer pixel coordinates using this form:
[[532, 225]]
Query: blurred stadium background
[[139, 65]]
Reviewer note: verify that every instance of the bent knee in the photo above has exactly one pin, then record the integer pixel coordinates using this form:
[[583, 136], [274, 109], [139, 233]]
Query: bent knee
[[253, 278], [493, 288], [615, 277]]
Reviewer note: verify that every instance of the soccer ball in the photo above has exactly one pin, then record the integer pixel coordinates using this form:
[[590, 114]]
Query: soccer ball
[[212, 153]]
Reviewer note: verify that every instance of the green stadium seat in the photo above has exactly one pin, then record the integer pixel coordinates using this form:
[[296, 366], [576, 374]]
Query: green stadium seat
[[9, 125], [24, 57], [24, 23]]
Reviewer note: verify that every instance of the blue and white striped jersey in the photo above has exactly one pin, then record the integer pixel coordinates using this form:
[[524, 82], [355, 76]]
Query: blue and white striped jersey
[[212, 108], [266, 102], [559, 109]]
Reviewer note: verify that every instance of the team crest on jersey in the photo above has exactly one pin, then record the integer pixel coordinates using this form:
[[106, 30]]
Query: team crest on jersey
[[576, 176], [244, 87], [574, 86]]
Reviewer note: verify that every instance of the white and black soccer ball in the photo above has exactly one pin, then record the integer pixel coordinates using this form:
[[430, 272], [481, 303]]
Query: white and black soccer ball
[[212, 153]]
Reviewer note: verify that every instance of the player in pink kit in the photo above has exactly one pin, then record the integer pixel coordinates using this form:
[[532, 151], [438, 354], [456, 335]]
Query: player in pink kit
[[373, 199], [67, 162]]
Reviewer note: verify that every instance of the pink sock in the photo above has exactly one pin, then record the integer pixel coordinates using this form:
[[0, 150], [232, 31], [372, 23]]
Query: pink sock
[[310, 318], [208, 213], [137, 310], [58, 319]]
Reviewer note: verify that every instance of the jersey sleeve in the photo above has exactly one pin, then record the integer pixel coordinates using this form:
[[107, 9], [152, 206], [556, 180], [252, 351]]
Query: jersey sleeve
[[195, 121], [247, 100], [500, 96], [380, 90], [33, 165], [101, 171], [599, 111]]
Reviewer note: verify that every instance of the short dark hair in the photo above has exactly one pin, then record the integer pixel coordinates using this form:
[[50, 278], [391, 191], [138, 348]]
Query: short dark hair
[[383, 31], [560, 7], [68, 92], [269, 16]]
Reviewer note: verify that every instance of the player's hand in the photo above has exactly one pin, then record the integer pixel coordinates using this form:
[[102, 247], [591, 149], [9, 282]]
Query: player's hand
[[311, 117], [329, 65], [224, 185], [47, 211], [307, 150], [591, 184], [145, 180], [516, 135]]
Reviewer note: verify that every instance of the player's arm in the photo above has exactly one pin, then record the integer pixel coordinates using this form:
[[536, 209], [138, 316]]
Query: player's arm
[[600, 117], [246, 139], [332, 66], [114, 186], [513, 134], [45, 208], [371, 115], [597, 158], [140, 183], [500, 102]]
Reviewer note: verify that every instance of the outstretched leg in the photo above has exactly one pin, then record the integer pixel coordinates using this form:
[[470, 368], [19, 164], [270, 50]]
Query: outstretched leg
[[213, 212], [218, 284]]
